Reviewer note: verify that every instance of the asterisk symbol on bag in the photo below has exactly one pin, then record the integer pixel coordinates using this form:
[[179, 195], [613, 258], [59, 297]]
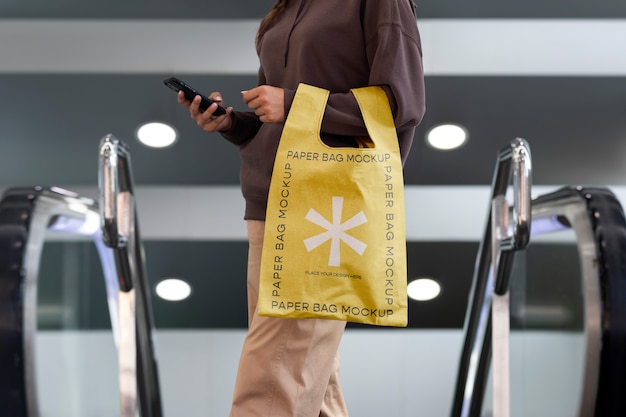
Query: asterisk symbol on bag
[[335, 231]]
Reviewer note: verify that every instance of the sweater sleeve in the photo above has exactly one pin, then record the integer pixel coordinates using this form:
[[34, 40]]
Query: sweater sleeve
[[244, 126], [393, 49], [394, 52]]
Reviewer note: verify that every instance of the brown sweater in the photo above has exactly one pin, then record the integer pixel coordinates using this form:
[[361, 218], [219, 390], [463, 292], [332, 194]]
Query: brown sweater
[[336, 45]]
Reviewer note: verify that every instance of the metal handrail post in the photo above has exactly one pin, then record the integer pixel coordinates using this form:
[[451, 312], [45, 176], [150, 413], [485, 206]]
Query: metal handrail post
[[139, 382], [513, 162], [510, 233]]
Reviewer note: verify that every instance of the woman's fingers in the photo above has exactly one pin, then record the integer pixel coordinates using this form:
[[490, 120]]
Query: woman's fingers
[[206, 119]]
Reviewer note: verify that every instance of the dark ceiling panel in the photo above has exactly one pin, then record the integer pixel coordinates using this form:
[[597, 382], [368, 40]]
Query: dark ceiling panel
[[57, 143], [251, 9], [575, 127], [142, 9], [52, 125], [521, 9], [71, 284], [72, 292]]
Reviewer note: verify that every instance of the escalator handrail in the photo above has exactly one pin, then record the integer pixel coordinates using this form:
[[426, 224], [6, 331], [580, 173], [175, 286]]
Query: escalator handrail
[[120, 231], [113, 179], [512, 161], [515, 161], [609, 229]]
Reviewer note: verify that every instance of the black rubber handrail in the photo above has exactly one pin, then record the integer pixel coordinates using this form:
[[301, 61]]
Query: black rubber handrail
[[609, 227]]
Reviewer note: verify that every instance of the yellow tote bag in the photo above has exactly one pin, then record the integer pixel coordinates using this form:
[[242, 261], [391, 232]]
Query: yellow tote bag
[[335, 238]]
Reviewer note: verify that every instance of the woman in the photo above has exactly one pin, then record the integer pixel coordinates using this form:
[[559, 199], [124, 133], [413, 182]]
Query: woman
[[289, 367]]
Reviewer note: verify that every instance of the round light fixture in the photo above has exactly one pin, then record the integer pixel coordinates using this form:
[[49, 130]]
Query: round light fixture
[[156, 134], [423, 289], [173, 289], [446, 137]]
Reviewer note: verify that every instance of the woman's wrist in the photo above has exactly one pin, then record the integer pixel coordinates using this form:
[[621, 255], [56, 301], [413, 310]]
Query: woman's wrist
[[228, 125]]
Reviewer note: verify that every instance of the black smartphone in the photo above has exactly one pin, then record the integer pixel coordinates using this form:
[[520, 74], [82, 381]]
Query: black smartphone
[[190, 92]]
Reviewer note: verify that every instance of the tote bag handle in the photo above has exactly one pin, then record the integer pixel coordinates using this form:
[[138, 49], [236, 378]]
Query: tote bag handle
[[309, 104]]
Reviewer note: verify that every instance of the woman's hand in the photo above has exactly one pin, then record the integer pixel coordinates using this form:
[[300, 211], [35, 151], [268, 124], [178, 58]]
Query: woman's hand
[[206, 120], [267, 102]]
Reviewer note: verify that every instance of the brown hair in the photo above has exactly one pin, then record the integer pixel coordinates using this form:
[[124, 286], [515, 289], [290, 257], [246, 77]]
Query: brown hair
[[267, 22]]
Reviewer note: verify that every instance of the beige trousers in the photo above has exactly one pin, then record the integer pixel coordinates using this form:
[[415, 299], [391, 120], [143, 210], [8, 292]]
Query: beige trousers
[[288, 367]]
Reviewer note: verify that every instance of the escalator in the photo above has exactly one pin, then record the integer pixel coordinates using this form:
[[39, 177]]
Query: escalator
[[35, 219], [545, 327]]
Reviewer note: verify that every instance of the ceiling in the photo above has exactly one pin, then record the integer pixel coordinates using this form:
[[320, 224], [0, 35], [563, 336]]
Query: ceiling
[[72, 71]]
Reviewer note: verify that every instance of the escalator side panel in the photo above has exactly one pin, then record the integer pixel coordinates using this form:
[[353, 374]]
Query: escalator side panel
[[26, 214]]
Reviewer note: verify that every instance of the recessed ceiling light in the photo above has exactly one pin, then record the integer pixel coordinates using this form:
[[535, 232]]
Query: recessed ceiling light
[[423, 289], [446, 137], [156, 134], [173, 289]]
